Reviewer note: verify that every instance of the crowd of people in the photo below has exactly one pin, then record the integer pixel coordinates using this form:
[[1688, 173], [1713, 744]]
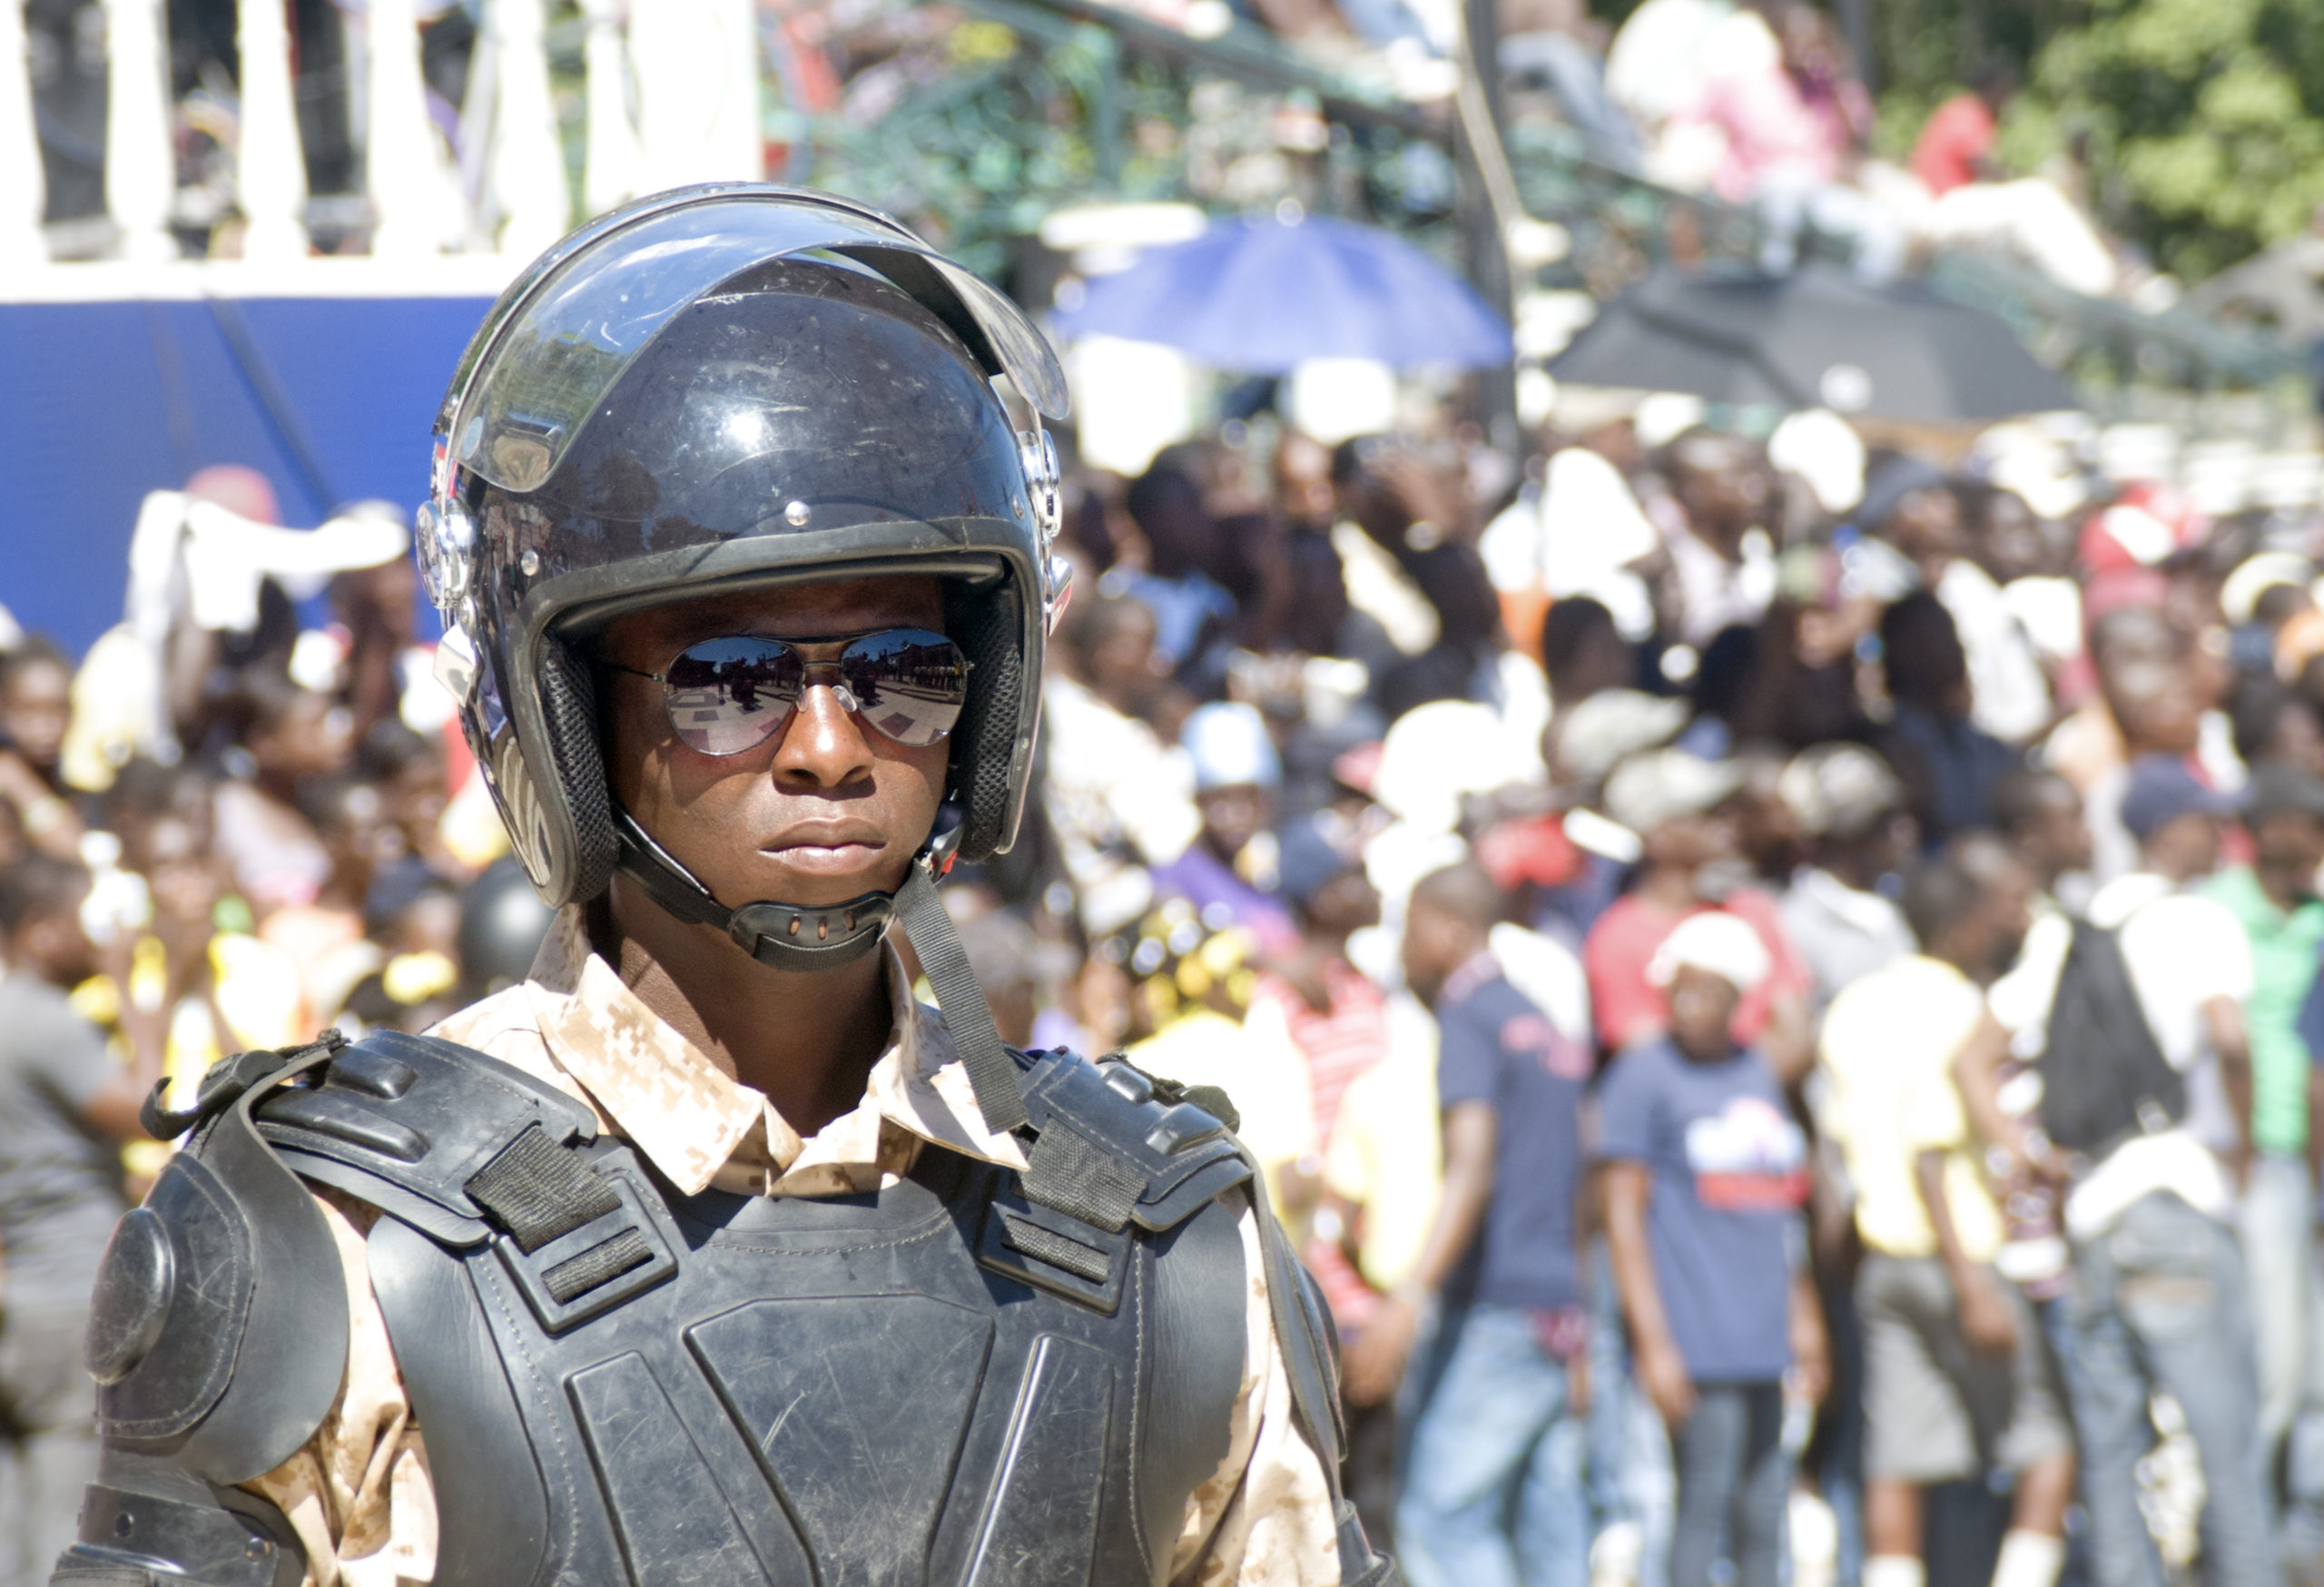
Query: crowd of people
[[1760, 104], [1776, 987]]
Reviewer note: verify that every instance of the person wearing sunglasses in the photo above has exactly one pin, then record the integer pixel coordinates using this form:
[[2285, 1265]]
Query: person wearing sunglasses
[[707, 1254]]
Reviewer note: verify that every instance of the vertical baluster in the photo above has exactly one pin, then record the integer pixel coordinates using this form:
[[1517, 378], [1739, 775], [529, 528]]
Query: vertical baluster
[[403, 170], [527, 180], [140, 164], [697, 64], [612, 163], [270, 167], [22, 189]]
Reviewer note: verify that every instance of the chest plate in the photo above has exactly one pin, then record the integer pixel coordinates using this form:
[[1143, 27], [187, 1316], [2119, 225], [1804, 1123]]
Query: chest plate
[[977, 1375], [946, 1382]]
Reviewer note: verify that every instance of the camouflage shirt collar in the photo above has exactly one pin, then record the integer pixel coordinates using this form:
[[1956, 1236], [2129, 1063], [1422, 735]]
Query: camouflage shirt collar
[[702, 1128]]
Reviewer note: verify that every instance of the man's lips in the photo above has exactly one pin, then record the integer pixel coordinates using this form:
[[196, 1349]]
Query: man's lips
[[833, 848]]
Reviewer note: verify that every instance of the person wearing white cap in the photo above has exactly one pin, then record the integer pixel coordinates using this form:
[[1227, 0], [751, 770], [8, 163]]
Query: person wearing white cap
[[1674, 801], [1704, 1173], [1228, 871]]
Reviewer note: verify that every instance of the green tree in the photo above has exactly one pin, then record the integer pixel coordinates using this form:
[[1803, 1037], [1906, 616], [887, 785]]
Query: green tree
[[2204, 120], [2200, 122]]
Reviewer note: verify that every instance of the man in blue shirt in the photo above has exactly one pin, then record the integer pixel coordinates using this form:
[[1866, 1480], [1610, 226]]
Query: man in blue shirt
[[1493, 1497], [1705, 1173]]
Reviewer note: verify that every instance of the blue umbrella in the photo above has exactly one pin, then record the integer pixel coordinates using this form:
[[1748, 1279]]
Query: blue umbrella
[[1260, 294]]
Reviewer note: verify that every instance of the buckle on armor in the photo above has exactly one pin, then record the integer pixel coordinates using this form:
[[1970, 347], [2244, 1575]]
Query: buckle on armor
[[1034, 1245], [589, 1270]]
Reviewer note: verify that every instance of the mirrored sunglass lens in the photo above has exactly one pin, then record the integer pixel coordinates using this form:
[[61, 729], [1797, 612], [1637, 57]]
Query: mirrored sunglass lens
[[908, 683], [727, 695]]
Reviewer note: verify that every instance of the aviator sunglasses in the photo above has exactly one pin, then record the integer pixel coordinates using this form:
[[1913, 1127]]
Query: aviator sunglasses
[[728, 696]]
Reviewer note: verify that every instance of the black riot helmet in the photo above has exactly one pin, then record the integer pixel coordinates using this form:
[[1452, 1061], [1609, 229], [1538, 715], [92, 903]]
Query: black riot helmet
[[723, 388]]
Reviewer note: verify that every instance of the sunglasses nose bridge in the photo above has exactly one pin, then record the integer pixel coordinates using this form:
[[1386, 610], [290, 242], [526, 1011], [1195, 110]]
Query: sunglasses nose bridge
[[827, 673], [859, 679]]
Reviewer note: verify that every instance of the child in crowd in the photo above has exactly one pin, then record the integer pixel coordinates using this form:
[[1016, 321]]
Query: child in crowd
[[1704, 1176], [35, 692]]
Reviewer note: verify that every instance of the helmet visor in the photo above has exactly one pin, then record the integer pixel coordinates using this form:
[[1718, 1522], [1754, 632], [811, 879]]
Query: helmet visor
[[551, 363]]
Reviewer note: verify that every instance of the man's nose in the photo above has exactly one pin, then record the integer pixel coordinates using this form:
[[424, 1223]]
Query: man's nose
[[825, 743]]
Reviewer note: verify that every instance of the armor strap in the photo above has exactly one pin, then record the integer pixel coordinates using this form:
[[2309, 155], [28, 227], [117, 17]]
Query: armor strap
[[782, 936], [1066, 1174], [1310, 1347], [795, 937], [992, 1073], [540, 1190]]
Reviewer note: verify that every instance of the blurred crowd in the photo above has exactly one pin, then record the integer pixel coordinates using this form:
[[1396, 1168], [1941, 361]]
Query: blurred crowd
[[1759, 103], [1775, 983]]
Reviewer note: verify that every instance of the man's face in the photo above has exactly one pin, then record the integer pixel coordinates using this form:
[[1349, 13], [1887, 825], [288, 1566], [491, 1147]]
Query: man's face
[[54, 945], [2186, 846], [1232, 817], [1178, 528], [1348, 902], [2008, 915], [1303, 481], [312, 738], [1702, 1007], [2291, 840], [385, 598], [2062, 833], [1692, 841], [826, 809], [37, 710], [1121, 664], [1927, 523], [1436, 943], [1720, 486]]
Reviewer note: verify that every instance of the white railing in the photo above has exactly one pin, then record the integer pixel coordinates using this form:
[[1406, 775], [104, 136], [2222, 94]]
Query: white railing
[[672, 91]]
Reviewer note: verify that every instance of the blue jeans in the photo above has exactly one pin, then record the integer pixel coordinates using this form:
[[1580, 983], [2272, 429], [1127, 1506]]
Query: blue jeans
[[2278, 1235], [1492, 1486], [2159, 1302], [1734, 1481], [1629, 1449]]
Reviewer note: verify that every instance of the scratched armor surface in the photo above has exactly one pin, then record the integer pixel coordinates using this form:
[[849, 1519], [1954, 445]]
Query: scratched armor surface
[[943, 1381]]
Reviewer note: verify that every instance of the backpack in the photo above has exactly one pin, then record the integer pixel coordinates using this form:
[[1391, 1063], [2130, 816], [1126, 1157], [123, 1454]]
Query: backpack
[[2103, 1076]]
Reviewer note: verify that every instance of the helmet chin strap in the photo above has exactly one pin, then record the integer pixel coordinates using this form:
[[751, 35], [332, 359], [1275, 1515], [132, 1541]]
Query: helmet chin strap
[[806, 938]]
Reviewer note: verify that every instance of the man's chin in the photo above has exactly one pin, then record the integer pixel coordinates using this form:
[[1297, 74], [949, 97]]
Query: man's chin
[[824, 878]]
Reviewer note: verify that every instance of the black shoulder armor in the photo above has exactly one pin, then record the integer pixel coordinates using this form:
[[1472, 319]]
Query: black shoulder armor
[[224, 1262], [229, 1262]]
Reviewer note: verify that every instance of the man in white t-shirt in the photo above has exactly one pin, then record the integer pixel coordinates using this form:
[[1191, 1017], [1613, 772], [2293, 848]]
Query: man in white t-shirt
[[2158, 1301]]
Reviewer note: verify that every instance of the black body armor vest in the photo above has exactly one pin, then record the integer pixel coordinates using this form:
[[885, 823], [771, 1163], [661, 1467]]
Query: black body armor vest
[[974, 1377]]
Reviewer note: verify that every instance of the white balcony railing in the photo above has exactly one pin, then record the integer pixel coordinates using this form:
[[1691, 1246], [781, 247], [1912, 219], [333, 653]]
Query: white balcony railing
[[671, 96]]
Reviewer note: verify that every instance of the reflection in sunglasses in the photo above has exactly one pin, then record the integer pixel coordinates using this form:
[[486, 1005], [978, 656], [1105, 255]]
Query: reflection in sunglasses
[[727, 695]]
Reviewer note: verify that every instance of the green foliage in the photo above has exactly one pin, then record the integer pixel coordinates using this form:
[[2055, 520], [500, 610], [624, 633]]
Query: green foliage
[[2209, 113], [2201, 123]]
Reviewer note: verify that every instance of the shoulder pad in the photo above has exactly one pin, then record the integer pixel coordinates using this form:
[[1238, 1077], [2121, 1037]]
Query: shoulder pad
[[1115, 1142], [403, 1123], [1115, 1154], [218, 1327]]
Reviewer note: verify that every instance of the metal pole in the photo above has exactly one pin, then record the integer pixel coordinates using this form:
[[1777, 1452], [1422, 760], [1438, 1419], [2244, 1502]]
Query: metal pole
[[1855, 26], [1483, 229]]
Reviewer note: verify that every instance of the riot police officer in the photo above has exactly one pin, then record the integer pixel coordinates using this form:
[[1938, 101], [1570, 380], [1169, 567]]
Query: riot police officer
[[706, 1255]]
